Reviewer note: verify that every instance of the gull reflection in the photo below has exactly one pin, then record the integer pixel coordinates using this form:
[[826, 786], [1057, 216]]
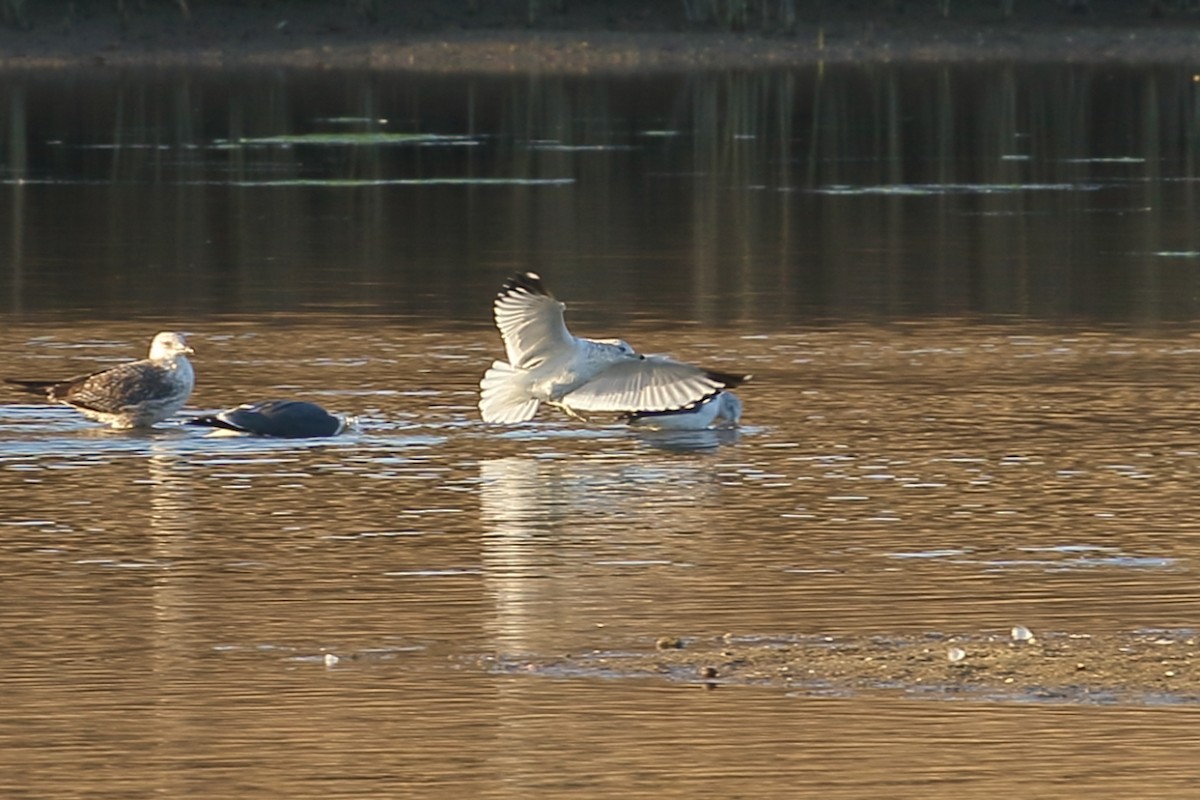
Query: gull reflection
[[172, 514], [705, 441], [573, 550], [566, 542], [170, 495]]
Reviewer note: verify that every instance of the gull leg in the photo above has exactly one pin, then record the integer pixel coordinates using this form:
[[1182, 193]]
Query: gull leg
[[570, 412]]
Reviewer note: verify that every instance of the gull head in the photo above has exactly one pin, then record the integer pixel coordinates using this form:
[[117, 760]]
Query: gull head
[[731, 408], [167, 345]]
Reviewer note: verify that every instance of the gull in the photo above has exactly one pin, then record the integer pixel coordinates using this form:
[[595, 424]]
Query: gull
[[137, 394], [546, 364], [721, 410], [281, 419]]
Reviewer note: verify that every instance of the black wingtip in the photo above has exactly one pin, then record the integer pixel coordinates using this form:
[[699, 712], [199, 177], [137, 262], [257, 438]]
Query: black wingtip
[[213, 421], [524, 282], [727, 379]]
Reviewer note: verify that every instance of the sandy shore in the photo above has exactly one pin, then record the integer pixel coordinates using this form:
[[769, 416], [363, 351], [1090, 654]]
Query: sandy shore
[[1137, 667]]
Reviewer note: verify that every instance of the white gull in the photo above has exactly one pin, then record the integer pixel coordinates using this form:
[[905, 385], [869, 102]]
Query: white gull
[[722, 410], [546, 364], [133, 395]]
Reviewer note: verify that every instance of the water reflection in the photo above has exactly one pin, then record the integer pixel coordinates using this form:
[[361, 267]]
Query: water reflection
[[567, 542], [765, 197], [171, 485], [172, 528], [707, 441]]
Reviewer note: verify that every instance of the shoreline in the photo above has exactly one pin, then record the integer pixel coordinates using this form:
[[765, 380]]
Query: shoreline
[[258, 40], [1147, 667]]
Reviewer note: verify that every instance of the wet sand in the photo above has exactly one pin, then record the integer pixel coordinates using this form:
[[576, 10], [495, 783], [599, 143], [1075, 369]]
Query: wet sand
[[1153, 667]]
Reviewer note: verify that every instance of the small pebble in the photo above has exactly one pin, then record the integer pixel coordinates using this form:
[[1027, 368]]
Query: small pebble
[[331, 659], [1022, 634], [956, 654], [1170, 673], [669, 643]]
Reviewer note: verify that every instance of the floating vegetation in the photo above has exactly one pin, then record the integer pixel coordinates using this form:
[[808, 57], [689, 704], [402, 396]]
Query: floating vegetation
[[919, 189], [332, 183], [117, 146], [1106, 160], [342, 183], [352, 120], [351, 139], [559, 147]]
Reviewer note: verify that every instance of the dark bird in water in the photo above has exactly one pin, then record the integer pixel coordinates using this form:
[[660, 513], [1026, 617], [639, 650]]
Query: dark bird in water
[[546, 364], [282, 419], [133, 395]]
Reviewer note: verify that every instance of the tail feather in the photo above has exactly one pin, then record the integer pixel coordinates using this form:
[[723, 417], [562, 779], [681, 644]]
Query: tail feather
[[41, 388], [503, 396]]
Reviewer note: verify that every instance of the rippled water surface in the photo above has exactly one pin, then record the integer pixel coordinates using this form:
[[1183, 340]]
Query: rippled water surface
[[973, 406]]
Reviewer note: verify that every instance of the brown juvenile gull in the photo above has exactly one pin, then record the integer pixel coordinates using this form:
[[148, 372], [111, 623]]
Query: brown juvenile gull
[[546, 364], [133, 395], [280, 419]]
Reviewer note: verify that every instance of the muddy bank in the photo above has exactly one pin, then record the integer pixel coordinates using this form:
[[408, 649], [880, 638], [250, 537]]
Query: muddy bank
[[586, 38], [1135, 667]]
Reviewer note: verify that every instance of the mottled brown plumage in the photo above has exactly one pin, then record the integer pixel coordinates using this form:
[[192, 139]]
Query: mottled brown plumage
[[134, 395]]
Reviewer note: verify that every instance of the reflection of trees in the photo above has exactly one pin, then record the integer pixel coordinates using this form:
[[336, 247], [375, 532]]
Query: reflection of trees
[[16, 160], [1006, 190]]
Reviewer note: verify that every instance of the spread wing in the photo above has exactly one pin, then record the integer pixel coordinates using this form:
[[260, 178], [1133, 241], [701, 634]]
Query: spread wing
[[649, 383], [530, 321], [112, 390]]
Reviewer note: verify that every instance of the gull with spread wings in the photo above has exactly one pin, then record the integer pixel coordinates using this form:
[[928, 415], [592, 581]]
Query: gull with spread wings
[[546, 364]]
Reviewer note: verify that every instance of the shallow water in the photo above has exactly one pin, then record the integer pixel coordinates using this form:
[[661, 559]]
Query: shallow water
[[998, 440]]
